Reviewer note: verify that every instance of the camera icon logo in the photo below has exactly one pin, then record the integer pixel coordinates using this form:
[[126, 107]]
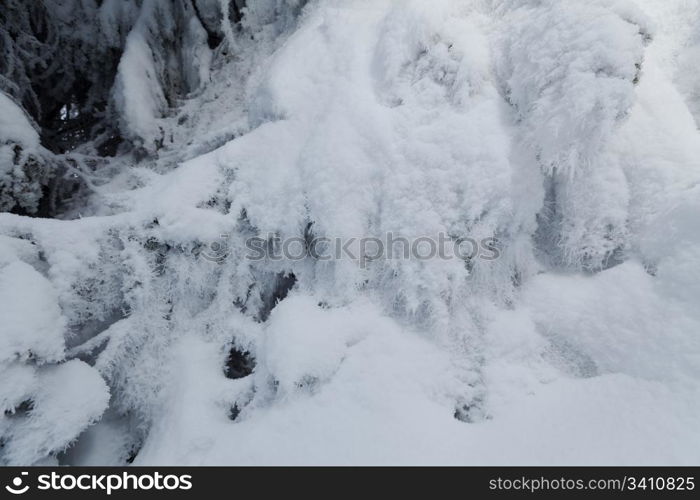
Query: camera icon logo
[[217, 251], [16, 488]]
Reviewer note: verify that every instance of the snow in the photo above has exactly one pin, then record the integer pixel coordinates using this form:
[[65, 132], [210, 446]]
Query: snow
[[63, 398], [140, 98], [18, 382], [15, 127], [304, 344], [566, 129], [580, 83], [617, 321], [68, 398], [33, 326], [19, 144], [386, 404]]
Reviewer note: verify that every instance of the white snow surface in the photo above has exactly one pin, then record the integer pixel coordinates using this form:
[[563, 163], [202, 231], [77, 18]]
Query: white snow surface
[[15, 126], [32, 320], [69, 397], [566, 128]]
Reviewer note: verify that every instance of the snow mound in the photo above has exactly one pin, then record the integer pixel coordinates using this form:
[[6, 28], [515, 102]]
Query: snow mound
[[33, 326], [15, 126], [67, 398]]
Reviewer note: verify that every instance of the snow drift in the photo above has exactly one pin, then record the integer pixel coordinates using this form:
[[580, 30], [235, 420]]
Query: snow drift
[[566, 130]]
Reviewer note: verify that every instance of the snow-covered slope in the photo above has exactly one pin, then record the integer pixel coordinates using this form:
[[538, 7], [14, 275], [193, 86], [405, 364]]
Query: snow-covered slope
[[564, 129]]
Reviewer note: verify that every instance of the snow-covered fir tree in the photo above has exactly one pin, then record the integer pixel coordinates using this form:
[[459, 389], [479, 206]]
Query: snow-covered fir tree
[[145, 143]]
